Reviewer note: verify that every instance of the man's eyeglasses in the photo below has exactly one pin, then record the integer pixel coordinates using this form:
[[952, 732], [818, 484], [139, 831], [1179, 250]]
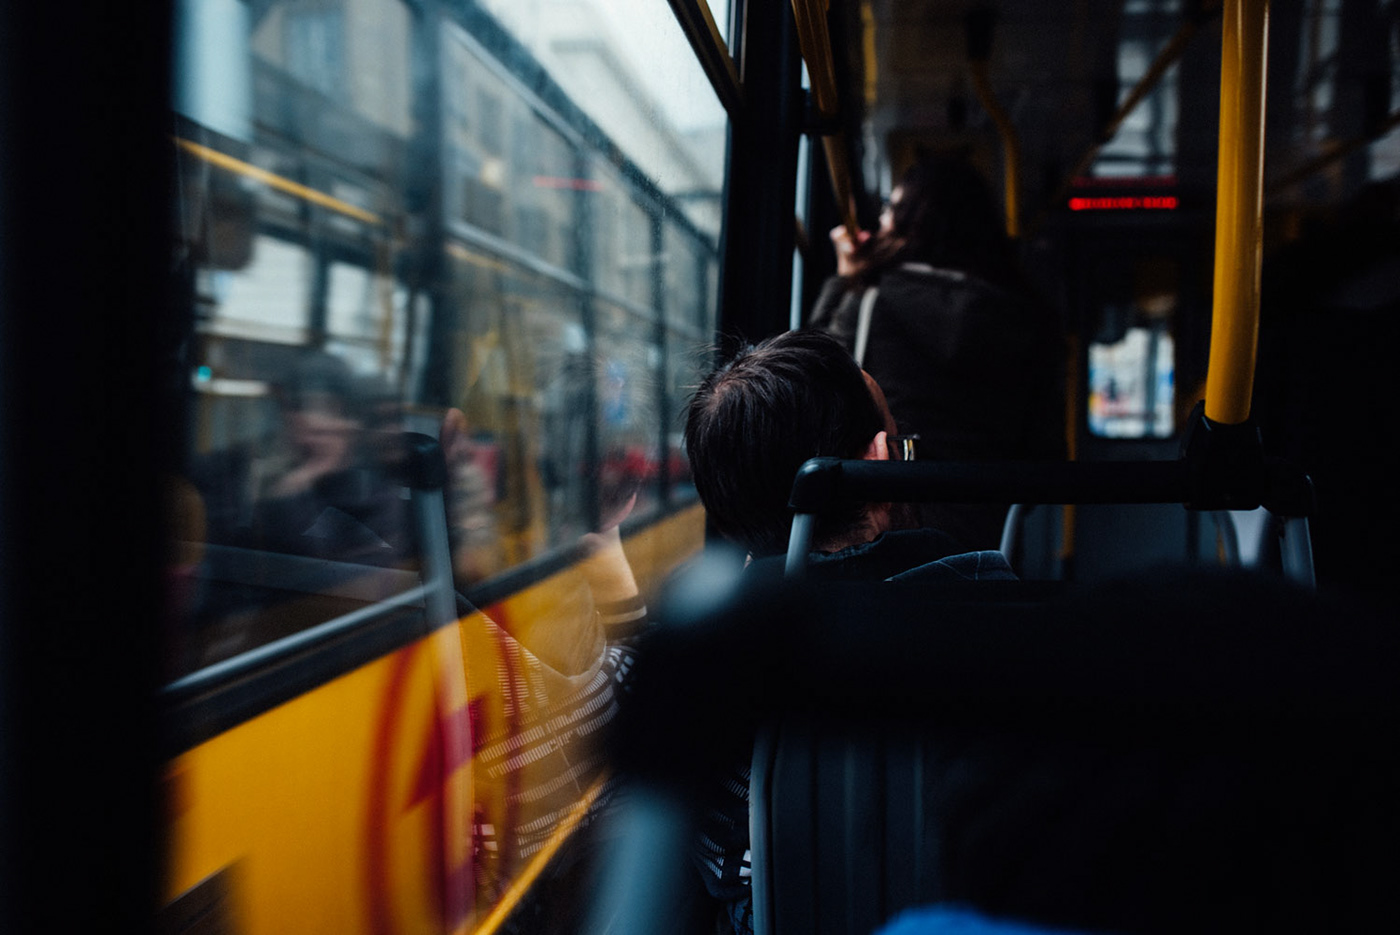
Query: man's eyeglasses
[[901, 447]]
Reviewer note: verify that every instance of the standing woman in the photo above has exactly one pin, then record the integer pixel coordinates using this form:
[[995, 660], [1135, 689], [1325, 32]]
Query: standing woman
[[935, 309]]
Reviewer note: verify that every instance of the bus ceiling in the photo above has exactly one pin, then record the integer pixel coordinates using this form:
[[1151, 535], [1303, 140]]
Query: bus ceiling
[[1089, 91]]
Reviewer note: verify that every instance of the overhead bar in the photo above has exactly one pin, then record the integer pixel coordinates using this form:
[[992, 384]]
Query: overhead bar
[[821, 482], [1239, 211]]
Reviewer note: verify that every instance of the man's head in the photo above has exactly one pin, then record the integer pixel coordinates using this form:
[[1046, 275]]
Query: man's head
[[757, 418]]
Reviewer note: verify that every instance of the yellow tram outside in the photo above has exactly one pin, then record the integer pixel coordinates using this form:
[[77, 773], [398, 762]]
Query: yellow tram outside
[[344, 809]]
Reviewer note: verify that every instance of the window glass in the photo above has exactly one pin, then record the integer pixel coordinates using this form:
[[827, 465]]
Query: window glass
[[525, 231], [720, 11], [623, 253], [511, 174], [667, 120], [1132, 355], [627, 371], [688, 303], [496, 224], [1145, 144]]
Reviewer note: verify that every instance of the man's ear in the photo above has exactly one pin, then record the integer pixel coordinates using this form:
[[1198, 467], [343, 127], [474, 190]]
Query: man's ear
[[878, 449]]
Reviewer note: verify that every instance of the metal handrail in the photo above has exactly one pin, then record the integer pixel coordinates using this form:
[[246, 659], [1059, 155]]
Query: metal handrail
[[221, 672], [1010, 146], [824, 481], [814, 40]]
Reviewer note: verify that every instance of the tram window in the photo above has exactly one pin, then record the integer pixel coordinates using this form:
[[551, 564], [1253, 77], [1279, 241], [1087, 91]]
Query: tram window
[[1131, 388], [366, 321], [325, 46], [1132, 358], [1145, 145], [266, 300]]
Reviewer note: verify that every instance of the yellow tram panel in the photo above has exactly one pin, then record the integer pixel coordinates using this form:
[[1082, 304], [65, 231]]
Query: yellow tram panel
[[349, 808]]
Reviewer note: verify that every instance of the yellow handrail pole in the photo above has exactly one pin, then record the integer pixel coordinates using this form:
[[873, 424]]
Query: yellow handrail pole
[[815, 42], [1239, 211], [1010, 146], [838, 167]]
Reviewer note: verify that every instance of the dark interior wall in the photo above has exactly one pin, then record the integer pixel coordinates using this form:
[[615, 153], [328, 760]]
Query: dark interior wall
[[84, 199]]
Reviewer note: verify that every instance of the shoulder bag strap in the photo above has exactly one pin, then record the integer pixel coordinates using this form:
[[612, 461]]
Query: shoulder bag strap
[[867, 306]]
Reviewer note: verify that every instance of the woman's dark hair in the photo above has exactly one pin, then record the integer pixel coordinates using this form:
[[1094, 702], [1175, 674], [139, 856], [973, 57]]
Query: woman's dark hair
[[757, 418], [946, 216]]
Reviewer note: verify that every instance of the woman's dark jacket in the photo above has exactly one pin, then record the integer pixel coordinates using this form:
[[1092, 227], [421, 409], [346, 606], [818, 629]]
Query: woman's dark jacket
[[974, 369]]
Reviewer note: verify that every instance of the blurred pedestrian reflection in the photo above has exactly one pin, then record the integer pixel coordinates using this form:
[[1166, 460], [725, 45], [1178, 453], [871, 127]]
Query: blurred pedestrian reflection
[[324, 489], [471, 500]]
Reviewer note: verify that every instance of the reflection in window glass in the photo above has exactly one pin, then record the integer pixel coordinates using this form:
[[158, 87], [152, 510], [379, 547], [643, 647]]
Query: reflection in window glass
[[627, 370], [510, 265], [623, 255], [489, 222], [610, 54], [366, 319], [511, 174], [688, 303], [265, 301]]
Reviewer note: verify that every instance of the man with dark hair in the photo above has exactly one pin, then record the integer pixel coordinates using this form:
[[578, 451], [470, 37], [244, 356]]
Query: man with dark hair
[[754, 421], [749, 427], [757, 418]]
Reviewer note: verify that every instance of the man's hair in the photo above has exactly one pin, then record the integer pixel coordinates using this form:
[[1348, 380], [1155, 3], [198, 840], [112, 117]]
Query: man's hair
[[758, 417]]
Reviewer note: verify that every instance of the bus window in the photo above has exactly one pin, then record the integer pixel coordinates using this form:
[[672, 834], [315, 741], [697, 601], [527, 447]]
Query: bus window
[[1132, 358], [546, 200], [491, 222]]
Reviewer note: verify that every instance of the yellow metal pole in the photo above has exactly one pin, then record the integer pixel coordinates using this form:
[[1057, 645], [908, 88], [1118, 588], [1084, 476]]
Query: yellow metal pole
[[839, 168], [815, 42], [1239, 211], [1010, 145]]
